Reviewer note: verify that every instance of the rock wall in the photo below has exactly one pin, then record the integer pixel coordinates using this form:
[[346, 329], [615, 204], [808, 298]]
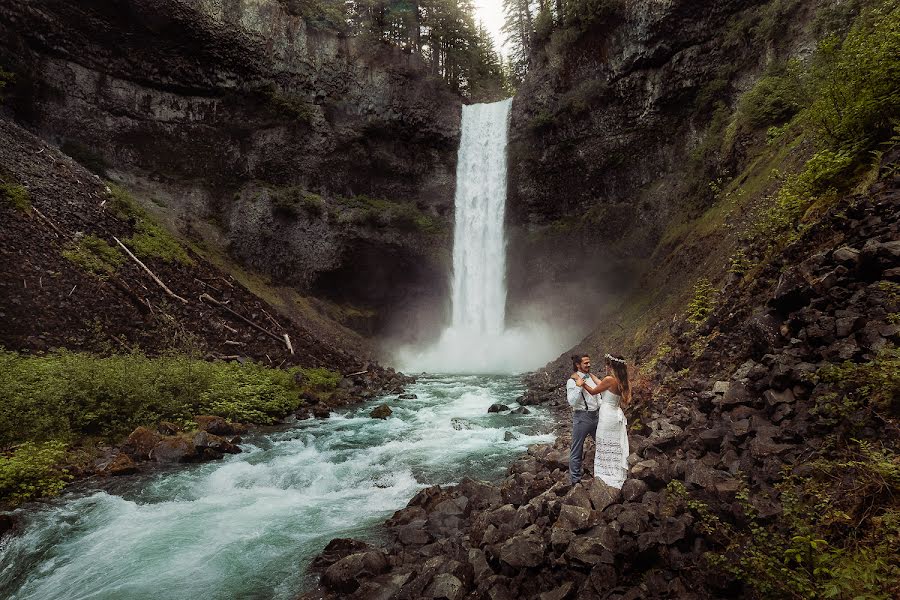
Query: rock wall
[[192, 99], [605, 123]]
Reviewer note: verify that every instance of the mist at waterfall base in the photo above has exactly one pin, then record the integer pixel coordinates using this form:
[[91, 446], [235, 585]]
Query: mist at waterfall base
[[478, 339], [248, 526]]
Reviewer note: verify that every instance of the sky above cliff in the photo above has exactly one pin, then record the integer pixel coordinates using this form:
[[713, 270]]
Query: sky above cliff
[[490, 12]]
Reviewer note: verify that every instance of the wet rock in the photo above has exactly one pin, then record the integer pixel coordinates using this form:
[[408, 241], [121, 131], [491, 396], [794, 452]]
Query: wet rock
[[479, 493], [381, 412], [509, 436], [321, 411], [203, 439], [520, 411], [495, 408], [337, 549], [407, 397], [345, 575], [140, 443], [173, 450], [116, 463]]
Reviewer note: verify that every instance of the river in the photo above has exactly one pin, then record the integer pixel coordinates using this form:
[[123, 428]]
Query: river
[[248, 526]]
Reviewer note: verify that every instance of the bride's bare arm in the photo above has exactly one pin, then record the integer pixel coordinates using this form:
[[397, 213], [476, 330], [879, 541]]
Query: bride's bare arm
[[605, 383]]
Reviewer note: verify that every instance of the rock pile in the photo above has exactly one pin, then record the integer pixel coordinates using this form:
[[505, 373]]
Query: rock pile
[[742, 414]]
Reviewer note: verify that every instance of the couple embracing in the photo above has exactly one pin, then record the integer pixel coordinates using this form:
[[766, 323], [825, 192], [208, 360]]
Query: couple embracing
[[597, 404]]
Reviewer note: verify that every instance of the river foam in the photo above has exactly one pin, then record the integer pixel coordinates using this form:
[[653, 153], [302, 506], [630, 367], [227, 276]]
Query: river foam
[[247, 526]]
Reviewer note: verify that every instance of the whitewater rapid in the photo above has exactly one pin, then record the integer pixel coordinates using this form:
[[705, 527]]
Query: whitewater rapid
[[247, 526]]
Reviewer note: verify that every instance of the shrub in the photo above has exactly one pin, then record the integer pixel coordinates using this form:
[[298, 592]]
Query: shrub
[[321, 379], [703, 301], [775, 98], [291, 200], [739, 264], [16, 196], [31, 471], [859, 390], [94, 255], [66, 395]]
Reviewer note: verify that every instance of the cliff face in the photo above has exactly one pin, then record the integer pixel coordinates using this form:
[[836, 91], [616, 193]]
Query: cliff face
[[608, 128], [186, 101]]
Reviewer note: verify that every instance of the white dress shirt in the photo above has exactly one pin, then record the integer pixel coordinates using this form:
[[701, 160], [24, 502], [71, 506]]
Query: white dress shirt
[[578, 396]]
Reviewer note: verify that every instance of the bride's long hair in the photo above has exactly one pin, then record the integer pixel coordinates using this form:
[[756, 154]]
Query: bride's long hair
[[620, 372]]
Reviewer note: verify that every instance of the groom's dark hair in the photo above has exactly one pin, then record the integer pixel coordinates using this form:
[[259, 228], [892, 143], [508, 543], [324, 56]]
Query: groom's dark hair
[[577, 358]]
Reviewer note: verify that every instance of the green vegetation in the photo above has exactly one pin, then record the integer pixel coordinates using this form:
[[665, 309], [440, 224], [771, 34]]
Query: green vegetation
[[836, 537], [16, 196], [151, 240], [739, 265], [378, 212], [58, 400], [861, 391], [94, 254], [703, 302], [775, 98], [291, 200], [32, 471], [65, 396], [6, 78], [290, 105]]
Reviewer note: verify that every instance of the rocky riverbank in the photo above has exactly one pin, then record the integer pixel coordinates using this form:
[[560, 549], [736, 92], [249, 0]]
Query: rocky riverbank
[[719, 433]]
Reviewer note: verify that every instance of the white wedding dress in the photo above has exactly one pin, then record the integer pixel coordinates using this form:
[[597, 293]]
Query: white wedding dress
[[611, 459]]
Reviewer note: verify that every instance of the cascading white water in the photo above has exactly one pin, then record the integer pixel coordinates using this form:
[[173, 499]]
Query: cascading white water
[[478, 340], [479, 243]]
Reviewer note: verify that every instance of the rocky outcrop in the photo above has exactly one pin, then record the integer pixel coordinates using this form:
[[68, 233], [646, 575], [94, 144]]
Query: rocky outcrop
[[215, 109], [605, 131], [737, 418]]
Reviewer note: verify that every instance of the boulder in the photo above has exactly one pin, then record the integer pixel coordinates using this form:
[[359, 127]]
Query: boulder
[[173, 450], [633, 490], [140, 443], [337, 549], [520, 411], [345, 575], [167, 428], [203, 439], [446, 586], [523, 550], [117, 463], [774, 398], [495, 408], [846, 256], [573, 518], [215, 425], [381, 412], [407, 397]]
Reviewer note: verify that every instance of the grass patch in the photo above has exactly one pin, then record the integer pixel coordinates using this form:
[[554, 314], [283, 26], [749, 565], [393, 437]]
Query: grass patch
[[94, 255], [16, 196], [151, 240]]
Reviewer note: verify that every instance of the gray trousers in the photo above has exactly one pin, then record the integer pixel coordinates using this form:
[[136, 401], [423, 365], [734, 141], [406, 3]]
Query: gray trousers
[[584, 423]]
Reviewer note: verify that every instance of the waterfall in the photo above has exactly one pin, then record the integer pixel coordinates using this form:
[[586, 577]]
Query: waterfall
[[479, 243], [478, 339]]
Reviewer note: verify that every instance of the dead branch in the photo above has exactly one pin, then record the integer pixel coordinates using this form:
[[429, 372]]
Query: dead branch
[[234, 343], [287, 341], [211, 300], [155, 278], [48, 222], [271, 318]]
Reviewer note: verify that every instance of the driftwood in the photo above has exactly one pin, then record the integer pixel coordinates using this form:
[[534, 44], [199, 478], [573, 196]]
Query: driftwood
[[211, 300], [233, 343], [48, 222], [153, 275], [357, 373], [271, 318], [287, 341]]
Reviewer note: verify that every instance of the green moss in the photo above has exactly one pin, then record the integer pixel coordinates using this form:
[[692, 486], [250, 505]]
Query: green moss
[[292, 200], [152, 241], [16, 196], [122, 203], [94, 254], [378, 212], [293, 107]]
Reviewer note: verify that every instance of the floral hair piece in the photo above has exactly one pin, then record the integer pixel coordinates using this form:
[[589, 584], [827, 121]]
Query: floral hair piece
[[612, 358]]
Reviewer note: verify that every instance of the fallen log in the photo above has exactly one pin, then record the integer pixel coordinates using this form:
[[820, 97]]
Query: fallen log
[[209, 299], [151, 273]]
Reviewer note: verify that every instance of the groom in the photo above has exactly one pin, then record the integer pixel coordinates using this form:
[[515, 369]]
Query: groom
[[584, 418]]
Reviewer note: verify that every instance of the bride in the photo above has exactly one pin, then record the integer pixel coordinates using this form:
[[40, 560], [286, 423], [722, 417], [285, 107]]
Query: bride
[[611, 459]]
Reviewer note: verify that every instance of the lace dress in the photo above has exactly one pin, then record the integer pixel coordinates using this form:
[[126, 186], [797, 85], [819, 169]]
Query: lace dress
[[611, 459]]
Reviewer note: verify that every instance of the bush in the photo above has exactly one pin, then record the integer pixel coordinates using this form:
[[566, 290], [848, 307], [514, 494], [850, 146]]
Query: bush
[[31, 471], [321, 379], [16, 196], [94, 255], [66, 395], [775, 98]]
